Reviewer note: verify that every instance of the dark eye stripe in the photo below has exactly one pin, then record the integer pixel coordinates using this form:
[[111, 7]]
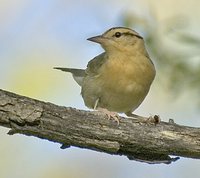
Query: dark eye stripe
[[118, 34], [128, 33]]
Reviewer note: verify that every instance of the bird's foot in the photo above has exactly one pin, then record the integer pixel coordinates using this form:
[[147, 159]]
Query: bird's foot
[[110, 115], [147, 120]]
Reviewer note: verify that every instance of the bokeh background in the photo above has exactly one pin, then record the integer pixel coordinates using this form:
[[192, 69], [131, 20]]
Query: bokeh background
[[36, 36]]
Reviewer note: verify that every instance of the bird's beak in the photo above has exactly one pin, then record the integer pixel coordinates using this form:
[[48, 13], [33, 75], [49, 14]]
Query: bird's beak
[[97, 39]]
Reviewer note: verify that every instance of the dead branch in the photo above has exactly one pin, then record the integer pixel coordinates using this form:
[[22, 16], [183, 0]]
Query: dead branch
[[71, 127]]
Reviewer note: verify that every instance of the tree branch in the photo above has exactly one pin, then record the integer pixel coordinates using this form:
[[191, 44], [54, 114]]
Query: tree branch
[[84, 129]]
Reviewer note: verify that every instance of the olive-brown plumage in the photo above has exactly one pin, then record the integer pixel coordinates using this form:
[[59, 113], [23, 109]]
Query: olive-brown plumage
[[118, 79]]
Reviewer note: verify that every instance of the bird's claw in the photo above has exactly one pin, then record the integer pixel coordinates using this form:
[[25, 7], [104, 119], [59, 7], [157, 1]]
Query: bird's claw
[[110, 115], [149, 120]]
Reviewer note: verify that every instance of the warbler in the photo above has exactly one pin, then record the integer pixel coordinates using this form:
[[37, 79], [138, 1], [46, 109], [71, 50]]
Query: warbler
[[118, 80]]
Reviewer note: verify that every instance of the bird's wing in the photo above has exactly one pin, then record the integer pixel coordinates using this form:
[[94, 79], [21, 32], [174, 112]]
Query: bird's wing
[[78, 74], [95, 64], [92, 69]]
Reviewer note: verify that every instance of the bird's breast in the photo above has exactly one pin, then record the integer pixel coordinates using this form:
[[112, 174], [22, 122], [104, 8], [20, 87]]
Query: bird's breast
[[125, 76]]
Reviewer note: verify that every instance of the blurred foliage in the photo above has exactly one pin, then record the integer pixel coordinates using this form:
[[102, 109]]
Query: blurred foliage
[[174, 51]]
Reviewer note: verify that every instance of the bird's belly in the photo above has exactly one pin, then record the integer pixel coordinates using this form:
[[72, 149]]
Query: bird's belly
[[123, 99], [121, 95]]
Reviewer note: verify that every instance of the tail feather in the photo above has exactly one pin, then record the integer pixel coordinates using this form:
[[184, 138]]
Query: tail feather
[[78, 74]]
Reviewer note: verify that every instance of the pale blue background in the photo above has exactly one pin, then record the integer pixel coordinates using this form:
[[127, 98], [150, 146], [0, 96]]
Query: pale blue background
[[37, 35]]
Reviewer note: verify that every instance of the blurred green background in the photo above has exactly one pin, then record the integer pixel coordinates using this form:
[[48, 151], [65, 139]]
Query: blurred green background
[[37, 35]]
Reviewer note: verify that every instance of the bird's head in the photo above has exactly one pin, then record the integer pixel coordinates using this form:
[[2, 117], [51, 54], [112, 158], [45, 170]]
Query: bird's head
[[119, 38]]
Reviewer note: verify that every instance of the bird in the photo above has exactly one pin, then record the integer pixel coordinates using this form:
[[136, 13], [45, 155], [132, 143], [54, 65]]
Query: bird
[[117, 80]]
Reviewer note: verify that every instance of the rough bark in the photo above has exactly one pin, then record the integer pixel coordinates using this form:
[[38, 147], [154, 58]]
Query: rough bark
[[71, 127]]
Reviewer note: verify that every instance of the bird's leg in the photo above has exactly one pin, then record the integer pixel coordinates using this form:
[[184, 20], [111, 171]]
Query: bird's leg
[[109, 114], [95, 104], [148, 120]]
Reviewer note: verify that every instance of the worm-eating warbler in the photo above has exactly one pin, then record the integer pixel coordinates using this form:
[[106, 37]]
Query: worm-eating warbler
[[119, 79]]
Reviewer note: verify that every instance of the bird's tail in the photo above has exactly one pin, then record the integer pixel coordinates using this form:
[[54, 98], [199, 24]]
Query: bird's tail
[[78, 74]]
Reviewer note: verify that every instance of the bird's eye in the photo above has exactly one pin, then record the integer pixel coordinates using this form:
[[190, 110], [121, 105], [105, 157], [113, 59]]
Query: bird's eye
[[118, 34]]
